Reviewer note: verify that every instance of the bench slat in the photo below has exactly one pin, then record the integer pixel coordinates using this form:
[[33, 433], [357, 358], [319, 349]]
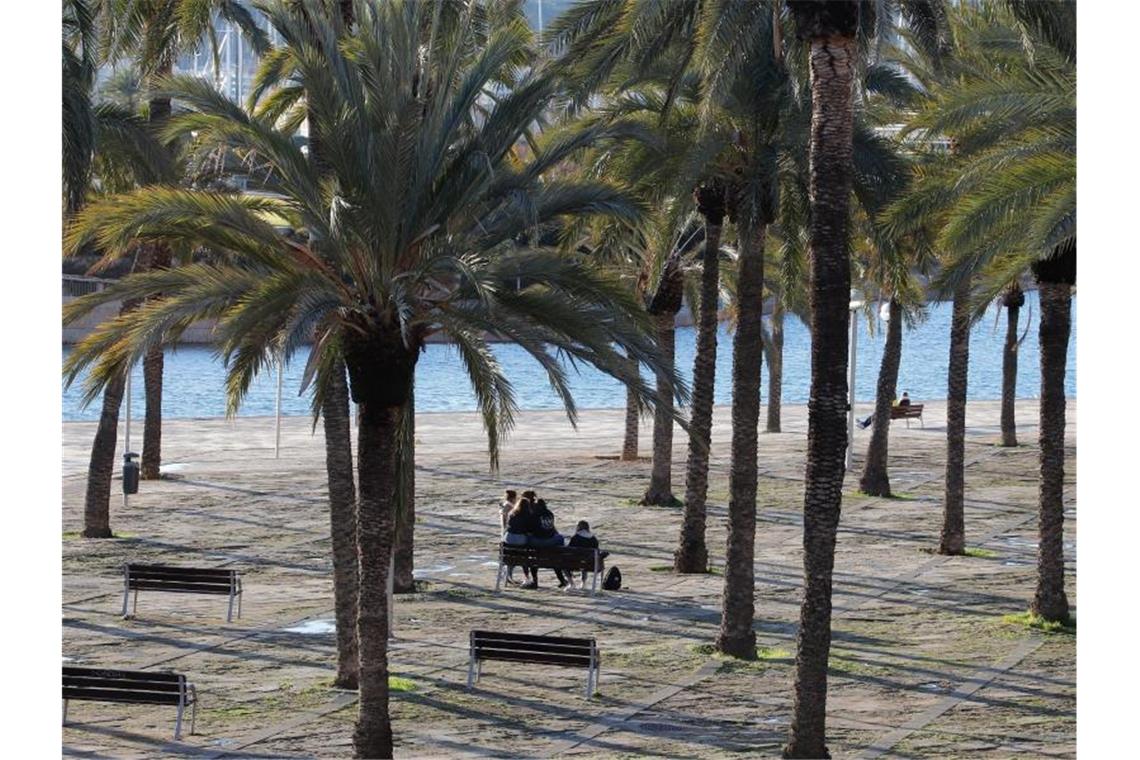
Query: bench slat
[[506, 646], [120, 683], [114, 695], [126, 675], [530, 637], [534, 657], [164, 571], [185, 587]]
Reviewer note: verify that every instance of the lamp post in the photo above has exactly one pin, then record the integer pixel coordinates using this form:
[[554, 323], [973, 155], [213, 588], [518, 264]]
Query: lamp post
[[277, 410], [854, 306]]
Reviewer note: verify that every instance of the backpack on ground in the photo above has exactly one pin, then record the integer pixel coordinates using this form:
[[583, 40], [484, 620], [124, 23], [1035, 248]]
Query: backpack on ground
[[612, 581]]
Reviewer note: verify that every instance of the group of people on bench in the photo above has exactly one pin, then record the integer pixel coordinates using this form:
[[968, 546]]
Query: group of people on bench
[[528, 521]]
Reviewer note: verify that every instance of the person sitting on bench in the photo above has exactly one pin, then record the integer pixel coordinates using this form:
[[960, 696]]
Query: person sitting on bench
[[583, 538], [543, 534], [510, 499], [905, 400], [519, 521]]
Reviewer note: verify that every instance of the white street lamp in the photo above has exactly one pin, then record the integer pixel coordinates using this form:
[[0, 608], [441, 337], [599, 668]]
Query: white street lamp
[[854, 306]]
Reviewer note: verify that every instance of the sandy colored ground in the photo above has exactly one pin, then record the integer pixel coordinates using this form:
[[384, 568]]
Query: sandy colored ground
[[922, 664]]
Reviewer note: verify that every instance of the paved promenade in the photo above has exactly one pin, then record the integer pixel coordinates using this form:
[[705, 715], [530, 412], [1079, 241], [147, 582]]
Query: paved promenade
[[922, 663]]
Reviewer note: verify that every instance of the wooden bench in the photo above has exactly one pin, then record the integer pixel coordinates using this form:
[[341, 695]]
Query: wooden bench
[[907, 412], [181, 580], [132, 686], [546, 650], [567, 558]]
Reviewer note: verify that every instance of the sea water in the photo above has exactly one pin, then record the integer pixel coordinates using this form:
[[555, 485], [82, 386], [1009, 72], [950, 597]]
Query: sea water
[[194, 377]]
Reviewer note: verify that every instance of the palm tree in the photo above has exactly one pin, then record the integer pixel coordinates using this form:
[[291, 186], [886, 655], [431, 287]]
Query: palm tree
[[153, 33], [425, 247], [1007, 203], [108, 142], [691, 555], [1012, 299], [831, 29]]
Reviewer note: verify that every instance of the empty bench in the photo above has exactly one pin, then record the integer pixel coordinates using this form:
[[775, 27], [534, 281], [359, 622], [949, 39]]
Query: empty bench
[[907, 412], [567, 558], [181, 580], [131, 686], [545, 650]]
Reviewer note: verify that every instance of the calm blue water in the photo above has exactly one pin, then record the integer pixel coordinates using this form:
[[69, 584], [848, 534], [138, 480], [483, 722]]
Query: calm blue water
[[194, 379]]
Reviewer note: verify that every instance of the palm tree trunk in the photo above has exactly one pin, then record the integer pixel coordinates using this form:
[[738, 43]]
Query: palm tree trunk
[[1049, 600], [876, 479], [97, 502], [377, 475], [404, 581], [831, 28], [660, 491], [736, 636], [1013, 301], [342, 518], [692, 555], [953, 540], [775, 368], [159, 257], [629, 444]]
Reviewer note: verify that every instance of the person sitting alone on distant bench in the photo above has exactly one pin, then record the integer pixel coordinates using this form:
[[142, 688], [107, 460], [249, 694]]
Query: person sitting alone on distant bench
[[904, 401]]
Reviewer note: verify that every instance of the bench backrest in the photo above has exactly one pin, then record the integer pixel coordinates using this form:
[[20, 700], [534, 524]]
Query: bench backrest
[[907, 410], [102, 685], [551, 557], [186, 580], [522, 647]]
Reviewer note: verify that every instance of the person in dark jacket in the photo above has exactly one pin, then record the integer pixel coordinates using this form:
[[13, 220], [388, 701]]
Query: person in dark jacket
[[583, 538], [519, 522], [543, 534]]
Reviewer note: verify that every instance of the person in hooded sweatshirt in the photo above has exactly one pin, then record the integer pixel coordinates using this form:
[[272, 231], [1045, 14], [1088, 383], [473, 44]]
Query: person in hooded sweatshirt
[[583, 538], [543, 533]]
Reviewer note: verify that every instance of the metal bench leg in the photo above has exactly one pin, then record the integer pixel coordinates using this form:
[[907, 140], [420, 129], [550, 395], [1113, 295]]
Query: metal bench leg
[[178, 722], [471, 670], [594, 589], [126, 589], [193, 709], [499, 576], [230, 611], [239, 603], [135, 606]]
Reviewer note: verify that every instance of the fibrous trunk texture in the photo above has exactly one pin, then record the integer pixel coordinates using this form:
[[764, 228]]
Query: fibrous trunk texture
[[629, 444], [97, 502], [775, 368], [376, 472], [1013, 300], [832, 75], [158, 257], [736, 636], [1049, 600], [660, 491], [404, 581], [876, 478], [342, 518], [692, 555], [953, 540]]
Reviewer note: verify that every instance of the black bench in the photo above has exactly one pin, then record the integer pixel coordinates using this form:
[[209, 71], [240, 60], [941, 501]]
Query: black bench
[[133, 686], [907, 412], [546, 650], [181, 580], [568, 558]]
